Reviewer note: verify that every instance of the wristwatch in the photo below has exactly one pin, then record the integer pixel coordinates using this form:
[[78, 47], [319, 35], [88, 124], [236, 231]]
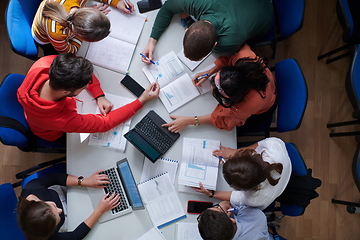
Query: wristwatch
[[212, 194], [80, 179]]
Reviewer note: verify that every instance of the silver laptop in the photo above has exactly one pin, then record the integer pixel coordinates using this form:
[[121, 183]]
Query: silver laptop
[[122, 182]]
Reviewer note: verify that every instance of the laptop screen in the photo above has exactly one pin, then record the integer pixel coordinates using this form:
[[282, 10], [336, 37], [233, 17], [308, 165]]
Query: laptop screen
[[129, 184], [148, 150]]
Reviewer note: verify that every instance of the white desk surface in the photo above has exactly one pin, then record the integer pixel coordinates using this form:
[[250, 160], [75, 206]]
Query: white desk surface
[[85, 160]]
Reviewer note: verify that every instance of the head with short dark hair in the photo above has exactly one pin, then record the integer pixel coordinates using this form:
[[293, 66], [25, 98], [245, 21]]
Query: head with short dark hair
[[214, 225], [199, 40], [35, 219], [69, 72], [246, 169], [233, 83]]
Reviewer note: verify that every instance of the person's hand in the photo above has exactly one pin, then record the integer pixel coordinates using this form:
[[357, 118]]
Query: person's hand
[[104, 105], [150, 93], [224, 152], [96, 180], [122, 6], [104, 8], [202, 190], [149, 50], [108, 202], [198, 82], [179, 123]]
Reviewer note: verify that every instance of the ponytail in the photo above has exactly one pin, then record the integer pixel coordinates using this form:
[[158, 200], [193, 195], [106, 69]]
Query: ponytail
[[57, 12]]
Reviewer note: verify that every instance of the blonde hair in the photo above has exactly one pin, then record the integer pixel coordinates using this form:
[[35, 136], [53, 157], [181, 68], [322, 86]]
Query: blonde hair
[[86, 23]]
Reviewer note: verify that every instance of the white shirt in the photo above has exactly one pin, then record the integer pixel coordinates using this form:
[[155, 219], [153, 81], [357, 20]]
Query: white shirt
[[274, 151]]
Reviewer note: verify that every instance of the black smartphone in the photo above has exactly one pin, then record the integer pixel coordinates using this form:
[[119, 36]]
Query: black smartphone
[[197, 207], [132, 85]]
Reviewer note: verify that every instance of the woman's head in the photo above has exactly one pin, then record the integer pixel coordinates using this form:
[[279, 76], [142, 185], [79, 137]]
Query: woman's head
[[37, 219], [245, 170], [233, 83], [86, 23]]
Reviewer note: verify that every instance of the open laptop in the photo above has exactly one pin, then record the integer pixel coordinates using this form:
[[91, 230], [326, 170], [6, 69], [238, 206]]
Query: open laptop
[[150, 138], [122, 182]]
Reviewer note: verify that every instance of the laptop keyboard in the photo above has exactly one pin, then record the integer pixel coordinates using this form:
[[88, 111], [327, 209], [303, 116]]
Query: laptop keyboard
[[149, 129], [115, 186]]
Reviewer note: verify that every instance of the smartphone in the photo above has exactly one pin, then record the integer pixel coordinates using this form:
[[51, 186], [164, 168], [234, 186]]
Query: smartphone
[[132, 85], [197, 207]]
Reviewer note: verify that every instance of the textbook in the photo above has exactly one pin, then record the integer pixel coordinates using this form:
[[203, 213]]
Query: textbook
[[189, 63], [114, 137], [158, 192], [176, 87], [116, 50], [162, 165], [198, 164]]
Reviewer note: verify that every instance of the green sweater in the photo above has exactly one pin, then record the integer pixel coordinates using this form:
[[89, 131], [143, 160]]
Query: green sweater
[[235, 21]]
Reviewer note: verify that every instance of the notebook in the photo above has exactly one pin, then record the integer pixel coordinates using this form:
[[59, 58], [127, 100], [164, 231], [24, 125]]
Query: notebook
[[122, 182], [150, 138]]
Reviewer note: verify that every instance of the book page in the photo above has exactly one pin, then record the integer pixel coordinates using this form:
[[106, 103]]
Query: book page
[[161, 199], [113, 138], [126, 27], [111, 53], [187, 231], [188, 63], [206, 86], [162, 165], [152, 234], [166, 69], [178, 92]]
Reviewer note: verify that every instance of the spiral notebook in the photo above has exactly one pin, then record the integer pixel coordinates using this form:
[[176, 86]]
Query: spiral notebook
[[162, 165], [158, 192]]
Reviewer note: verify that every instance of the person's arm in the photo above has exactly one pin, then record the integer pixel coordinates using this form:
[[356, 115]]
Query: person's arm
[[221, 195], [209, 72], [120, 4], [180, 122], [63, 43]]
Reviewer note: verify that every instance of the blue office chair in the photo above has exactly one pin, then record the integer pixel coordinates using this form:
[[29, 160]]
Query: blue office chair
[[348, 13], [352, 85], [14, 130], [9, 228], [292, 95], [19, 16], [289, 19]]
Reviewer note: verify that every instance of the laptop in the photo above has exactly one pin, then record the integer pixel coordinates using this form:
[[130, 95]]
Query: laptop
[[122, 182], [150, 138]]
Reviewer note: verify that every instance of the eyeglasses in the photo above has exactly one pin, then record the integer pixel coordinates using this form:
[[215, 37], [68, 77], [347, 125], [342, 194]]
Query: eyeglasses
[[214, 206]]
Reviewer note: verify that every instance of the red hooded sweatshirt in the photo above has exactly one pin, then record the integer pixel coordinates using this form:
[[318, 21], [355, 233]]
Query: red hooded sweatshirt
[[50, 119]]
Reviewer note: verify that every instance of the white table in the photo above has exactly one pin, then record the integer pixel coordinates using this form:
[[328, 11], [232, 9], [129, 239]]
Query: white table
[[85, 160]]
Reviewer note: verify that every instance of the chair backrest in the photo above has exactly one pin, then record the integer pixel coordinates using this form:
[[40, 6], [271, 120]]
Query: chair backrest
[[352, 82], [9, 228], [290, 16], [11, 110], [19, 16], [292, 95], [356, 167]]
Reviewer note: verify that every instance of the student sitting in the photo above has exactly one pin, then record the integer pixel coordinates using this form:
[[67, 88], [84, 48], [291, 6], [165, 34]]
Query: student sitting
[[48, 97], [60, 26], [259, 173], [246, 92], [41, 211], [225, 221]]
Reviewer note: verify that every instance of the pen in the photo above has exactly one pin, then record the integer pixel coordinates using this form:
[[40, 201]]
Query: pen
[[231, 209], [222, 160], [127, 6], [147, 58], [202, 76]]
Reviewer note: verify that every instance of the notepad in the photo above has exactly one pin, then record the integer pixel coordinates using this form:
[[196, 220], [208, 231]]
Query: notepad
[[157, 193], [176, 87], [198, 164], [162, 165], [116, 50], [187, 231]]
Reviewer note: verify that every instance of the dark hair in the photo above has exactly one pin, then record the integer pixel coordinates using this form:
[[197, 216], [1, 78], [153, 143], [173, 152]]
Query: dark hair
[[35, 219], [214, 225], [69, 72], [199, 40], [87, 23], [238, 80], [246, 169]]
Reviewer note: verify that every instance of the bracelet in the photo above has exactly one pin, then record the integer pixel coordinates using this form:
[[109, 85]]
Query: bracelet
[[196, 121], [102, 95], [212, 194]]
